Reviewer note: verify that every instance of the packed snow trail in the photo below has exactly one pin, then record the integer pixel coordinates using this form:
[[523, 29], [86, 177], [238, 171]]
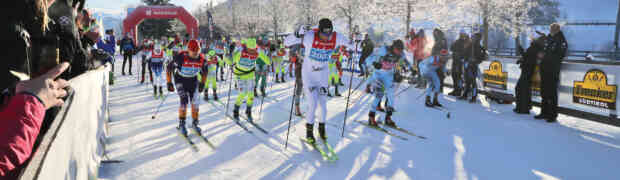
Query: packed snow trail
[[480, 141]]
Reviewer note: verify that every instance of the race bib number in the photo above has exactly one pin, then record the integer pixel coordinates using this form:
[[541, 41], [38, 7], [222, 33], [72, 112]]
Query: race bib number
[[320, 55], [246, 63]]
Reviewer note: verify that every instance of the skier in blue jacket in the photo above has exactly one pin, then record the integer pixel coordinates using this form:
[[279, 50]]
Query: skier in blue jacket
[[385, 60]]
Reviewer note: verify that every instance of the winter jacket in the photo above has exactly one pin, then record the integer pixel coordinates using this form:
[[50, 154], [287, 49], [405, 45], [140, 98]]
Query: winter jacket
[[19, 128], [440, 44], [459, 50], [418, 48], [127, 45], [479, 52], [367, 47], [555, 50]]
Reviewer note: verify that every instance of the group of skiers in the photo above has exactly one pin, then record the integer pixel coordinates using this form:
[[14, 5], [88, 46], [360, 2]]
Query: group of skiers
[[315, 55]]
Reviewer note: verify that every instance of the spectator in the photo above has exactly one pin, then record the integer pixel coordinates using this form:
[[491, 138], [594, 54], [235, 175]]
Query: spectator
[[527, 63], [471, 67], [127, 49], [555, 51], [459, 55], [367, 48], [440, 44], [419, 54], [23, 116]]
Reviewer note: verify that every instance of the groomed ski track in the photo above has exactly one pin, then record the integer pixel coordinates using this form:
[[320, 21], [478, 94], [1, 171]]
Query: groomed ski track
[[479, 141]]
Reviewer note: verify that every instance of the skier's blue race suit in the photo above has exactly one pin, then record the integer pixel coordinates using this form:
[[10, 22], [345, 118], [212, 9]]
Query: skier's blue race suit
[[382, 79]]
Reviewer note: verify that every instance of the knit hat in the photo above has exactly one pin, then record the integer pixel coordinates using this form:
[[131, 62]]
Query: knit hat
[[193, 45]]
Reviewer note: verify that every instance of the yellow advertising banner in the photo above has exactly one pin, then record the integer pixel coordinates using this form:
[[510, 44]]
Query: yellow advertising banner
[[595, 91], [495, 77]]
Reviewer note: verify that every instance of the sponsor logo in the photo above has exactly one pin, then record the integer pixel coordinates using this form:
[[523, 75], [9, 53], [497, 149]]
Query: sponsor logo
[[495, 77], [149, 12], [595, 91]]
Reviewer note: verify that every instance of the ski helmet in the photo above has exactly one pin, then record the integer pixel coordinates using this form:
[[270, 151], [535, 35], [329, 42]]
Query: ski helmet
[[193, 46]]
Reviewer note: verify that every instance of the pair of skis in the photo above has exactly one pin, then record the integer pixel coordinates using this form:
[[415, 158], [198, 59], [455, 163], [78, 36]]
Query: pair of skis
[[238, 121], [191, 143], [382, 127], [329, 155]]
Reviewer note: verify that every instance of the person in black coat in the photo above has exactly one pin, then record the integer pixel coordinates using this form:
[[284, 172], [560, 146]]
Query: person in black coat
[[555, 51], [527, 63], [440, 44], [459, 55], [471, 67], [128, 48], [367, 48]]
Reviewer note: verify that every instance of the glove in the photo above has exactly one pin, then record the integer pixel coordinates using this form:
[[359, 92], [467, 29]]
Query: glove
[[377, 65], [368, 89], [201, 87], [170, 87]]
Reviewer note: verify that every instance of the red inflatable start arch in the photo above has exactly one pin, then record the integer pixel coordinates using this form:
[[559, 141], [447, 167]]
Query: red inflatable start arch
[[159, 12]]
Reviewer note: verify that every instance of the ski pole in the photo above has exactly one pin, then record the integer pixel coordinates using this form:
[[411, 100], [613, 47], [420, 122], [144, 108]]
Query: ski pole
[[346, 111], [290, 116], [229, 89], [159, 106]]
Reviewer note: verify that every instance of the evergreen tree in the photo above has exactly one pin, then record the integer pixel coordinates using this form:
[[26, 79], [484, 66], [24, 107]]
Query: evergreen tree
[[155, 28]]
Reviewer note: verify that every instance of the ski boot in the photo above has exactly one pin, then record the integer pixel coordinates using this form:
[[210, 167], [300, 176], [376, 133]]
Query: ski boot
[[322, 134], [371, 119], [255, 93], [277, 79], [215, 94], [142, 79], [206, 96], [196, 128], [436, 102], [282, 79], [337, 93], [181, 128], [428, 102], [388, 117], [248, 113], [340, 83], [236, 112], [309, 133]]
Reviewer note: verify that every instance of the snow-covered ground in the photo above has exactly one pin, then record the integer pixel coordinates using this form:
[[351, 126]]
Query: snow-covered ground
[[479, 141]]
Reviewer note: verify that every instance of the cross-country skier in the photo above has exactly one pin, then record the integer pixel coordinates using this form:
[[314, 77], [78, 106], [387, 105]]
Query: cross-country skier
[[212, 61], [319, 45], [334, 77], [220, 50], [278, 62], [185, 67], [156, 59], [384, 60], [145, 49], [428, 69], [246, 61]]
